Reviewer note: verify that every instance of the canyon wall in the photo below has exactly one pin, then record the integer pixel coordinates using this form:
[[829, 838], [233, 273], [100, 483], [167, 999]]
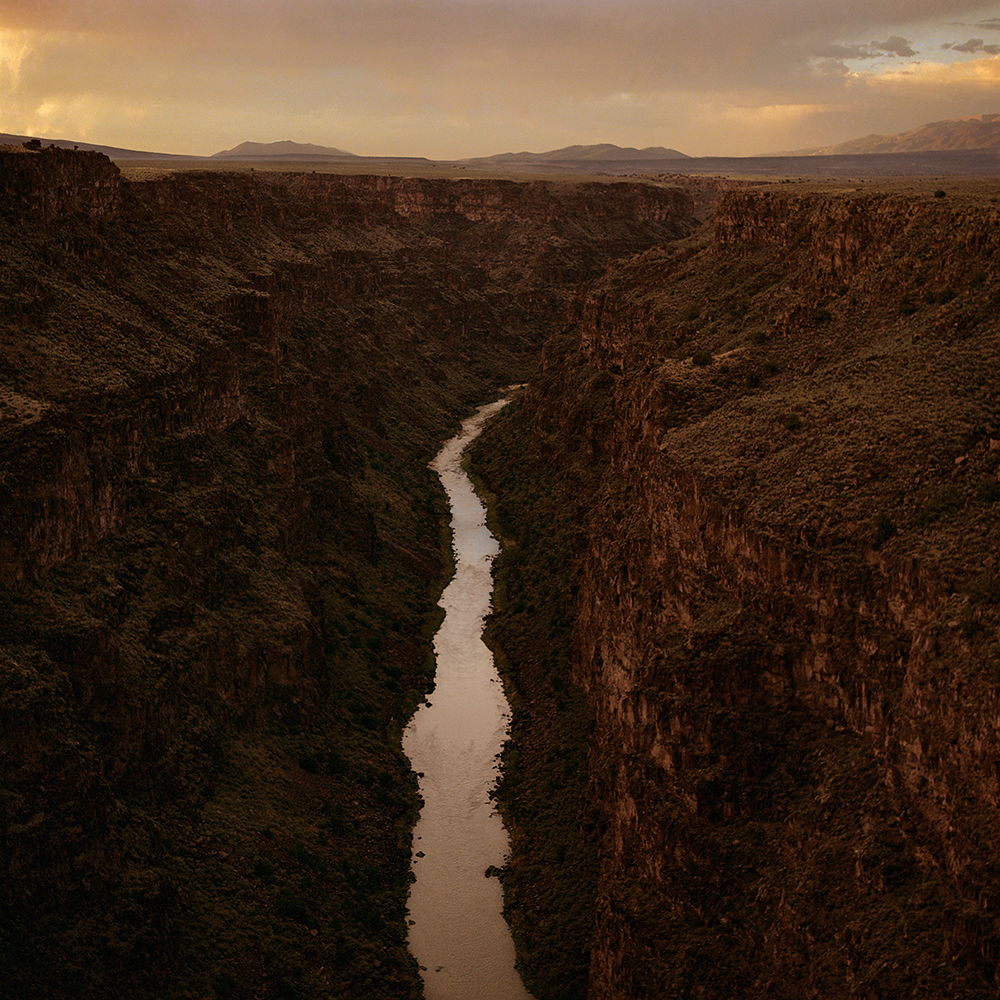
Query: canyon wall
[[220, 548], [46, 185], [781, 444]]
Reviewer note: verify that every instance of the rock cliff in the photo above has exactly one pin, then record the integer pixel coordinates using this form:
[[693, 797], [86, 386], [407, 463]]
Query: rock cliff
[[780, 440], [47, 185], [220, 548]]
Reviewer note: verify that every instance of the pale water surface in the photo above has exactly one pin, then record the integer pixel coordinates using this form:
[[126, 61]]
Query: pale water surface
[[458, 934]]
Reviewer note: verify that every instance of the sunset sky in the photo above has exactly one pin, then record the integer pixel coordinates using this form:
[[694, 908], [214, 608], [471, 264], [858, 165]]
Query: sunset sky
[[453, 78]]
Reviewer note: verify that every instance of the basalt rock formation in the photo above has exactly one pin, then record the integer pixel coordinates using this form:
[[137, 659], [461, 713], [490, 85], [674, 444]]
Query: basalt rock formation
[[220, 548], [779, 441], [51, 184]]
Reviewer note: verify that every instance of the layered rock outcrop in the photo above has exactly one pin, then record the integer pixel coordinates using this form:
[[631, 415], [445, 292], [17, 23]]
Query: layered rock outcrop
[[47, 185]]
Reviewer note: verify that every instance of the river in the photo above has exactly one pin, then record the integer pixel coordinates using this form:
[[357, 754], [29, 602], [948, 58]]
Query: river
[[457, 932]]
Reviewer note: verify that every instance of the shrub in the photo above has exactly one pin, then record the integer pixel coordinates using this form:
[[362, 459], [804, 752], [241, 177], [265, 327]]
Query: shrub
[[306, 857], [701, 358], [970, 625], [939, 193], [987, 490], [293, 908], [940, 501], [884, 530], [985, 589], [335, 762], [225, 985], [337, 820], [944, 296], [791, 421]]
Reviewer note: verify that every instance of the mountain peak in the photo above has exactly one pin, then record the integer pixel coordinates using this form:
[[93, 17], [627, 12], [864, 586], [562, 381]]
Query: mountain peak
[[972, 132], [603, 152], [283, 148]]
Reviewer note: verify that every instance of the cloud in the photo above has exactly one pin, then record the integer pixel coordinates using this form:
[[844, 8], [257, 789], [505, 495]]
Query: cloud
[[830, 67], [974, 45], [894, 46], [15, 47], [461, 77], [846, 52]]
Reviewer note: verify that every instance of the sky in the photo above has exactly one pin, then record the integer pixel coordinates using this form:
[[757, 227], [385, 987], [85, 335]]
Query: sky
[[448, 79]]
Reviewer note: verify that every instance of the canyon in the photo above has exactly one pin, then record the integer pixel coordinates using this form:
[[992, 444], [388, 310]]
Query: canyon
[[221, 548], [746, 607]]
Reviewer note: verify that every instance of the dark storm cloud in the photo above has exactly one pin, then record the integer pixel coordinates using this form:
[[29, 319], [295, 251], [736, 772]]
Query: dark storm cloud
[[973, 46], [893, 46]]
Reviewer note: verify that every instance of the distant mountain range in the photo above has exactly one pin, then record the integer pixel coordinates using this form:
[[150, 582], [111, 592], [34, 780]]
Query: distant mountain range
[[977, 132], [958, 137], [285, 148], [605, 152]]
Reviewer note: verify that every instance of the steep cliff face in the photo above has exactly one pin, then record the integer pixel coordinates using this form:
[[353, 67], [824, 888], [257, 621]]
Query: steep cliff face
[[783, 444], [47, 185], [219, 544]]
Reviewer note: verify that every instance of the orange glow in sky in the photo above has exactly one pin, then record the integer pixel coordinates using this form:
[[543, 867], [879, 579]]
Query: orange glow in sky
[[453, 78]]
